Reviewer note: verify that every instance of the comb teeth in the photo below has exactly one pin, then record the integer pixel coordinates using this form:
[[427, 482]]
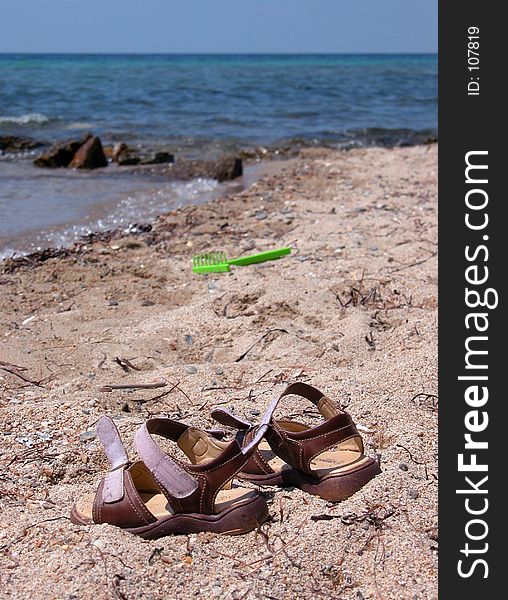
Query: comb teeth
[[208, 259]]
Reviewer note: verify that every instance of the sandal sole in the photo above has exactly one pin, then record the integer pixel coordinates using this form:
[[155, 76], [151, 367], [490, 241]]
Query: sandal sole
[[334, 488], [241, 518]]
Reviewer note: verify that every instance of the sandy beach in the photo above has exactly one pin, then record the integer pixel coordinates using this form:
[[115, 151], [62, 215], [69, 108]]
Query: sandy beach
[[353, 311]]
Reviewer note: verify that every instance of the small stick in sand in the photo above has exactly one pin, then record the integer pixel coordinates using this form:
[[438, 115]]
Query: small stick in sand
[[133, 386], [16, 374], [12, 366], [159, 396], [126, 364], [277, 329]]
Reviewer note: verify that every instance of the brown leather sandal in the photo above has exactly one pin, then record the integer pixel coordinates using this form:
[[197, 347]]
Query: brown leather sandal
[[327, 460], [160, 495]]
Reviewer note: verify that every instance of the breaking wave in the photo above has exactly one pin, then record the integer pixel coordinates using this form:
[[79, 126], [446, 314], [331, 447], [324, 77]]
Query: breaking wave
[[25, 119]]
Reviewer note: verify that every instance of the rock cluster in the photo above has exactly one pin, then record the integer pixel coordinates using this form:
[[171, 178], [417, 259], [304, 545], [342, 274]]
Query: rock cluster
[[88, 153], [125, 156], [13, 143]]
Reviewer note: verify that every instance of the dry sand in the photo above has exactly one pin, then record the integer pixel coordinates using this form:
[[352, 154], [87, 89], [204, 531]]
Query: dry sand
[[352, 311]]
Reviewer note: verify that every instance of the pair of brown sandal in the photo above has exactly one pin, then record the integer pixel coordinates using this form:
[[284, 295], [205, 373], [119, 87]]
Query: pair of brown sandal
[[159, 495]]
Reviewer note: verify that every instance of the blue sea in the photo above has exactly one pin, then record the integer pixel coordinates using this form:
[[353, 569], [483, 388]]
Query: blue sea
[[193, 106]]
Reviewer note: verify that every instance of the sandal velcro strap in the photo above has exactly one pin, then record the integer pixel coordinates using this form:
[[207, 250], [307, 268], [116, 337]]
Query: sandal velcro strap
[[112, 490], [174, 480], [113, 486], [117, 501], [110, 439], [248, 435]]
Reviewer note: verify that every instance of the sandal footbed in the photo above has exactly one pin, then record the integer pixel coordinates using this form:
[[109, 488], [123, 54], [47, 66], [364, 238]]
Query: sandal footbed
[[338, 474]]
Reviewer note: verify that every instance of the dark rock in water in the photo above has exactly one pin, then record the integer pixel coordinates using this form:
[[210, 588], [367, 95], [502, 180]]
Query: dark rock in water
[[128, 159], [158, 158], [183, 170], [90, 155], [85, 153], [229, 168], [123, 155], [13, 143], [162, 164], [119, 149], [61, 153]]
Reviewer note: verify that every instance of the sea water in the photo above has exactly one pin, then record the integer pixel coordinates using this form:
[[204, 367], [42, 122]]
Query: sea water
[[194, 106]]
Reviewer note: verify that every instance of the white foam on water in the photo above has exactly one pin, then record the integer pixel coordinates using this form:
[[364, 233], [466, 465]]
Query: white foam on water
[[25, 119], [120, 211], [80, 125]]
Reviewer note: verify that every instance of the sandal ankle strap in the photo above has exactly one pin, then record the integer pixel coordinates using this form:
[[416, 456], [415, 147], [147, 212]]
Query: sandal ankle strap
[[294, 442]]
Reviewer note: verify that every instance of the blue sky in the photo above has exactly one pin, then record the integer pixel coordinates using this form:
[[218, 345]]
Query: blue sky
[[218, 26]]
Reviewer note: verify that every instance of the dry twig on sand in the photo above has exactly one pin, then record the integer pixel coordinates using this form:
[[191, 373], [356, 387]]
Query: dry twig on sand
[[133, 386], [15, 370]]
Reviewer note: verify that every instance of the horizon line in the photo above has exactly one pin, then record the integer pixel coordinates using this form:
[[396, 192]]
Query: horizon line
[[181, 53]]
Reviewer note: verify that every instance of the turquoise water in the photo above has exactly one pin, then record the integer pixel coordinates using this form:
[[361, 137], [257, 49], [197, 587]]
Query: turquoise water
[[192, 105]]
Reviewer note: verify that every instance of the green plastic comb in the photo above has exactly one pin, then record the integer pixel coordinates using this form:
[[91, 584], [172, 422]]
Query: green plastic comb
[[216, 262]]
